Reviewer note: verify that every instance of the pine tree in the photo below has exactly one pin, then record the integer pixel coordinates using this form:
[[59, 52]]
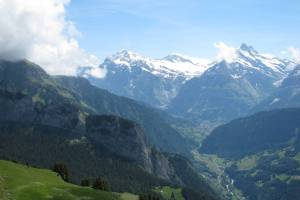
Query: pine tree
[[86, 183], [100, 184], [173, 196], [142, 197], [62, 170]]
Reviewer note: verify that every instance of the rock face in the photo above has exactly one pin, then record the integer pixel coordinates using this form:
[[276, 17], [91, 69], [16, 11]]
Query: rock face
[[125, 138]]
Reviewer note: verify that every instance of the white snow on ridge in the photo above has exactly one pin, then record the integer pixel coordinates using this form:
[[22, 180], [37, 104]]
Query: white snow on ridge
[[235, 76], [275, 101], [265, 63], [178, 65], [168, 67]]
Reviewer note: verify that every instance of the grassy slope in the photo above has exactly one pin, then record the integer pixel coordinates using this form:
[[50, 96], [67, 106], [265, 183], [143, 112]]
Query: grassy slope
[[20, 182], [166, 192], [128, 196]]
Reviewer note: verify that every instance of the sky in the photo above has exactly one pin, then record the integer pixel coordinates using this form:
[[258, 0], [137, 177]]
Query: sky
[[158, 28], [62, 35]]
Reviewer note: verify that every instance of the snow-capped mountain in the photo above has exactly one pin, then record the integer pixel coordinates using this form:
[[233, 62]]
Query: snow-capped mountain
[[249, 58], [170, 67], [153, 81], [217, 91], [231, 87]]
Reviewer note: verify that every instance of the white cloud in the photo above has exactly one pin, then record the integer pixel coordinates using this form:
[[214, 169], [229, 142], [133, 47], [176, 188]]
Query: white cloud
[[226, 52], [96, 72], [295, 53], [39, 31]]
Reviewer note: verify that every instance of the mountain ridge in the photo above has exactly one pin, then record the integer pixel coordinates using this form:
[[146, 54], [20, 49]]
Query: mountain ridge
[[262, 153], [153, 81], [65, 102], [162, 82], [230, 88]]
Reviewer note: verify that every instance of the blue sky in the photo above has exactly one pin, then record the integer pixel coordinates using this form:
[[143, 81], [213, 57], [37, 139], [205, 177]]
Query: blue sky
[[157, 28]]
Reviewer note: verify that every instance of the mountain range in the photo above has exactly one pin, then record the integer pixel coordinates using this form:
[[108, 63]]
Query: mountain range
[[207, 93], [153, 81]]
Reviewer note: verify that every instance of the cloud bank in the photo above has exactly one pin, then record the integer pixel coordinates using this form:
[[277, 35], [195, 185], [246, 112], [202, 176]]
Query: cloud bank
[[39, 31]]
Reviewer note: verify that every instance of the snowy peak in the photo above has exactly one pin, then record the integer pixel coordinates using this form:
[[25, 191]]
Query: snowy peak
[[126, 57], [175, 65], [171, 66], [247, 57]]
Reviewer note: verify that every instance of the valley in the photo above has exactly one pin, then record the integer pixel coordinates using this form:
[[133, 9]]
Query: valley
[[149, 100], [146, 151]]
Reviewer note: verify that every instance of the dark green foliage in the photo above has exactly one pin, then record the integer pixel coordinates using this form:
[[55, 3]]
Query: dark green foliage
[[93, 121], [154, 122], [190, 194], [29, 94], [271, 139], [193, 180], [253, 134], [10, 94], [62, 170], [86, 183], [43, 146], [150, 196], [30, 144], [173, 196], [263, 182], [100, 184]]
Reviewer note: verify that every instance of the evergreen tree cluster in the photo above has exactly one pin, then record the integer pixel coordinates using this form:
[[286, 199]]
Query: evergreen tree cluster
[[150, 197], [62, 170], [97, 184]]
